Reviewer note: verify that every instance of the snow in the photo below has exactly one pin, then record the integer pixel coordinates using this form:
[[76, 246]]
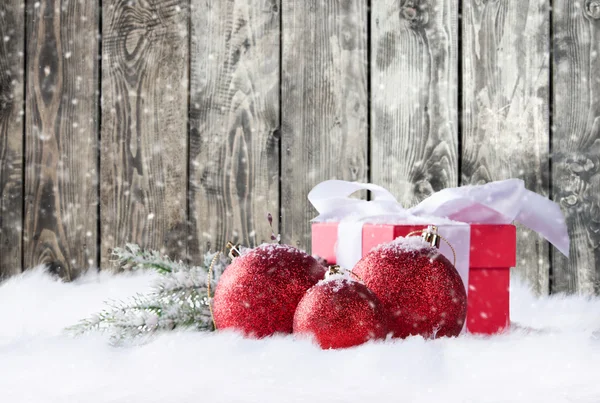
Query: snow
[[405, 244], [559, 361], [339, 279]]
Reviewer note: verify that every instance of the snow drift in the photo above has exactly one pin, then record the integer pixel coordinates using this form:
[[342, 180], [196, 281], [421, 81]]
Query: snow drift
[[551, 355]]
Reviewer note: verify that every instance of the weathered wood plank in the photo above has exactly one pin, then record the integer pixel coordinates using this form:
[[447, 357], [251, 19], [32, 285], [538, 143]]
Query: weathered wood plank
[[12, 20], [61, 136], [325, 104], [505, 108], [414, 66], [144, 125], [234, 143], [576, 142]]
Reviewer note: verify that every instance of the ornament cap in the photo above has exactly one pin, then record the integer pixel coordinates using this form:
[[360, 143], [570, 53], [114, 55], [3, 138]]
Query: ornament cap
[[333, 270], [234, 250], [431, 236]]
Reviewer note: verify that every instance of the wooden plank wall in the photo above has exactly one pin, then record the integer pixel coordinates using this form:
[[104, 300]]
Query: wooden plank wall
[[180, 124], [143, 177], [505, 128], [61, 135], [324, 104], [414, 131], [234, 137], [12, 38], [576, 141]]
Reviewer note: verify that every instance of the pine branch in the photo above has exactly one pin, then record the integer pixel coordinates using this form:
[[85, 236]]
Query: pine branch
[[132, 257], [178, 299]]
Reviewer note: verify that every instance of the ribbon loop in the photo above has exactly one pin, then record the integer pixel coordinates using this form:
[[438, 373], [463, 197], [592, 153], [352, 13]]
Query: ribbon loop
[[501, 202]]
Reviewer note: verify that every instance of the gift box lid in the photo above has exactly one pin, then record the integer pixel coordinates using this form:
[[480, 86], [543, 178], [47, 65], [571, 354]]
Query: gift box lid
[[491, 246]]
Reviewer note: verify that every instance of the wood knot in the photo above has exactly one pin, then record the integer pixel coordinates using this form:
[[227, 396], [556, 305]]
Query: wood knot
[[414, 15], [408, 13], [56, 269], [569, 201], [592, 9]]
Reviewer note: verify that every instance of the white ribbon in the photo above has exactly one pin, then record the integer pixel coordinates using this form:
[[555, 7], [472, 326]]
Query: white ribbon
[[501, 202]]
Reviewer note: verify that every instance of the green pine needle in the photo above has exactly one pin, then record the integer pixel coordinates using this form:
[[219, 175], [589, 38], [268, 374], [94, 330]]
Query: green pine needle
[[179, 298]]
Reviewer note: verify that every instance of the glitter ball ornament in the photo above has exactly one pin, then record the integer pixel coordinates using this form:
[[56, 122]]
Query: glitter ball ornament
[[258, 292], [340, 312], [418, 286]]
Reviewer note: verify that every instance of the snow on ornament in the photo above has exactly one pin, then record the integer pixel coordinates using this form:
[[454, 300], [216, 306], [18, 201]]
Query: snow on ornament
[[258, 292], [340, 312], [418, 285]]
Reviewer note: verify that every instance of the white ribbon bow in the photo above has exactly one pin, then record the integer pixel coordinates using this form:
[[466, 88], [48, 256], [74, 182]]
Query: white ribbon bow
[[501, 202]]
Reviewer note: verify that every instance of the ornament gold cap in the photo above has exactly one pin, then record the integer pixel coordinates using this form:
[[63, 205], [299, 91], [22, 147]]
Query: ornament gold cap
[[336, 269], [332, 270], [431, 236], [234, 250]]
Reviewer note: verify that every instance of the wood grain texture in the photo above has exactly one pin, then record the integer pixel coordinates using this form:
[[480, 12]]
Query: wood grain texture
[[234, 143], [12, 20], [414, 138], [576, 142], [506, 57], [324, 104], [144, 125], [61, 136]]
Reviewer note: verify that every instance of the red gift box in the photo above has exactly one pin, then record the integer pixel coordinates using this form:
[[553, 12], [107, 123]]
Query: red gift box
[[492, 254]]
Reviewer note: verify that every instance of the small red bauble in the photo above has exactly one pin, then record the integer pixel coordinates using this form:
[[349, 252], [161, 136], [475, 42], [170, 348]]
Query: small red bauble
[[258, 292], [340, 312], [418, 286]]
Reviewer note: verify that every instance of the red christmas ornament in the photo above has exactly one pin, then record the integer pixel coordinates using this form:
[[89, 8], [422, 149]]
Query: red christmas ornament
[[259, 291], [418, 286], [340, 312]]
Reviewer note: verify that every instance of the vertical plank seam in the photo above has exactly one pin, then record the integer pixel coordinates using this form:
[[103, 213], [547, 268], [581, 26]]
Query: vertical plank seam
[[459, 93], [550, 128], [188, 232], [24, 138], [369, 92], [279, 137], [99, 141]]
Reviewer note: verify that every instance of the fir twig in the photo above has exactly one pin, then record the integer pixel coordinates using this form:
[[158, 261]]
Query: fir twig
[[178, 299]]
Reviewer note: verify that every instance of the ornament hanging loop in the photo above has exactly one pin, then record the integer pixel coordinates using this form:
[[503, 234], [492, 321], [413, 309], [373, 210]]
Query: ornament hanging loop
[[433, 238]]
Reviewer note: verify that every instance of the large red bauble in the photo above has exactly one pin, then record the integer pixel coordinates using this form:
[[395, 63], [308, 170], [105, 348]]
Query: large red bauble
[[339, 312], [258, 292], [418, 286]]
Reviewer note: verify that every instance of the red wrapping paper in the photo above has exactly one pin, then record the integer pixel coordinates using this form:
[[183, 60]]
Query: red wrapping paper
[[492, 255]]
